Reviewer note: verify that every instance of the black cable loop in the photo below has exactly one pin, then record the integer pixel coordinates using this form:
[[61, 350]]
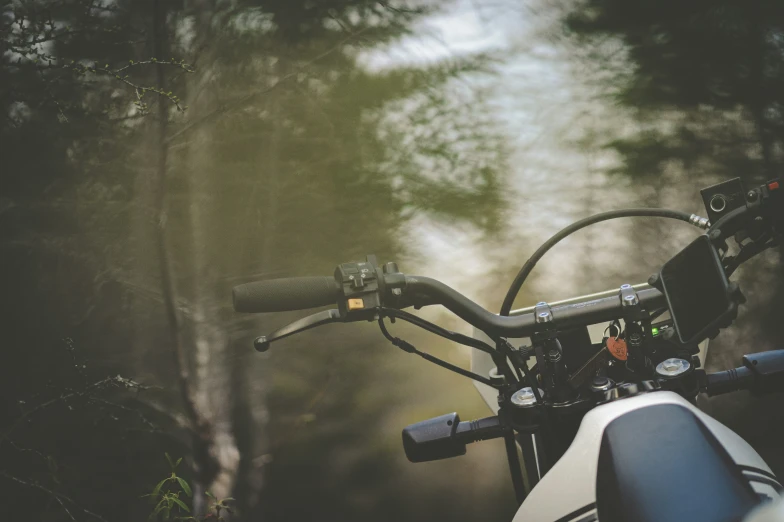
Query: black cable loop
[[410, 348], [509, 351], [498, 358]]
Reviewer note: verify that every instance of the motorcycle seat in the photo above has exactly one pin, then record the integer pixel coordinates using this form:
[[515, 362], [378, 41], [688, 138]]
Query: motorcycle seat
[[662, 464]]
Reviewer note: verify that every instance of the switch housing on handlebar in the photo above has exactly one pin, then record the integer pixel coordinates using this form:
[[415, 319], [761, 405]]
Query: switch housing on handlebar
[[359, 283]]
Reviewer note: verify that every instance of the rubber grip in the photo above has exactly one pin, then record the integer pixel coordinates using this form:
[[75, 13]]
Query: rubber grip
[[281, 295]]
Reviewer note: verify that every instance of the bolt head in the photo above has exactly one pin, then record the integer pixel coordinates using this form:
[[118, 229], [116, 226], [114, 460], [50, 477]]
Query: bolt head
[[524, 398], [673, 367], [630, 300], [544, 317]]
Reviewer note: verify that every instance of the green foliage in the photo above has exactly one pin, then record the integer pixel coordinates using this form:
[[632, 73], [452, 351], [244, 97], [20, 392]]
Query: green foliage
[[169, 504], [705, 80], [59, 54], [294, 158]]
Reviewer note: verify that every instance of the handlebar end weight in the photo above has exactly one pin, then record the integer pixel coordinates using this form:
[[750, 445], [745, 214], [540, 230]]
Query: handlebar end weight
[[261, 344]]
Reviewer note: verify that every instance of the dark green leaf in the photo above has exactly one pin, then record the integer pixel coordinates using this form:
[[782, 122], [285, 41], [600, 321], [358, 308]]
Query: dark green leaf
[[181, 504], [157, 489], [171, 462], [185, 487], [209, 494], [158, 508], [178, 462]]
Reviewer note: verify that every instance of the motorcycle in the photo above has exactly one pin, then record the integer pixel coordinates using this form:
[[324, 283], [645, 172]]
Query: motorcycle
[[597, 394]]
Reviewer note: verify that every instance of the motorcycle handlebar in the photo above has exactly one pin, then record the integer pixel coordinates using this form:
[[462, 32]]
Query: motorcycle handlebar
[[399, 291], [282, 295], [564, 316], [299, 293]]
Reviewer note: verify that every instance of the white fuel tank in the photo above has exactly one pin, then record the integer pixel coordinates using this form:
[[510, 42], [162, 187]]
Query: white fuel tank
[[568, 491]]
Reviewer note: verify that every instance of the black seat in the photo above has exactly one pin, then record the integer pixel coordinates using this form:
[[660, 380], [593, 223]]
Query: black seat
[[662, 464]]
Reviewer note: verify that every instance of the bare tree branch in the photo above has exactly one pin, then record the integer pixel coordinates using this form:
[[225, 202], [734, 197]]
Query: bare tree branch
[[118, 381], [59, 497]]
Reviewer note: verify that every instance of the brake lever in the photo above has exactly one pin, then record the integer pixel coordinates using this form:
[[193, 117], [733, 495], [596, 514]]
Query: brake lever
[[262, 343]]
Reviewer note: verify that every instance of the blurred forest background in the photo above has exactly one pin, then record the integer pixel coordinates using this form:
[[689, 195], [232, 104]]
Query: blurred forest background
[[155, 153]]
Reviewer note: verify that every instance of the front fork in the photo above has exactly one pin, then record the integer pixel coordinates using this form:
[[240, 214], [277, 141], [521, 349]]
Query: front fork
[[539, 451]]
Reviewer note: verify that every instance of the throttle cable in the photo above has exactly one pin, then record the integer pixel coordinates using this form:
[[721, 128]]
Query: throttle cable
[[529, 265]]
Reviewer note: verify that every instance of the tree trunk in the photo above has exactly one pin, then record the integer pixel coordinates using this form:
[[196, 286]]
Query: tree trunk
[[212, 390]]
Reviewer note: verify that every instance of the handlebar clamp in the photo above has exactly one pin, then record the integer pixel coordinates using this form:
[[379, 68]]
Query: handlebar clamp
[[545, 323], [630, 303]]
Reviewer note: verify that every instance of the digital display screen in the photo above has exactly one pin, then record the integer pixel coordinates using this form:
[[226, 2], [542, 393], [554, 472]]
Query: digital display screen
[[696, 288]]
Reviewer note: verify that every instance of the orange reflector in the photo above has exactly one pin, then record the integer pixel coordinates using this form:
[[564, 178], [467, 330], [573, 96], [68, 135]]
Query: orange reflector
[[773, 186], [356, 304]]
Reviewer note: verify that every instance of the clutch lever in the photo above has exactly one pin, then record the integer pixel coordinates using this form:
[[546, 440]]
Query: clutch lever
[[262, 343]]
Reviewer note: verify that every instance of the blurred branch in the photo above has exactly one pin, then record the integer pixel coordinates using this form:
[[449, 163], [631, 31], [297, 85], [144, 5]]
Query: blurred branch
[[21, 449], [59, 497], [140, 90], [155, 295], [117, 381], [30, 30], [139, 414], [239, 103], [401, 10], [176, 418]]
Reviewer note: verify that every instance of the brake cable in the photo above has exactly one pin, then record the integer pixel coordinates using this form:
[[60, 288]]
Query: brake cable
[[509, 351], [529, 265], [456, 337], [522, 364], [410, 348]]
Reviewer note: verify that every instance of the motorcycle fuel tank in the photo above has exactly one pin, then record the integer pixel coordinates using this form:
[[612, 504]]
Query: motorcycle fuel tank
[[568, 492]]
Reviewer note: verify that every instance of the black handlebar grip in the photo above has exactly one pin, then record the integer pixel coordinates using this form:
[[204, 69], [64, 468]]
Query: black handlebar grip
[[281, 295], [729, 381]]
